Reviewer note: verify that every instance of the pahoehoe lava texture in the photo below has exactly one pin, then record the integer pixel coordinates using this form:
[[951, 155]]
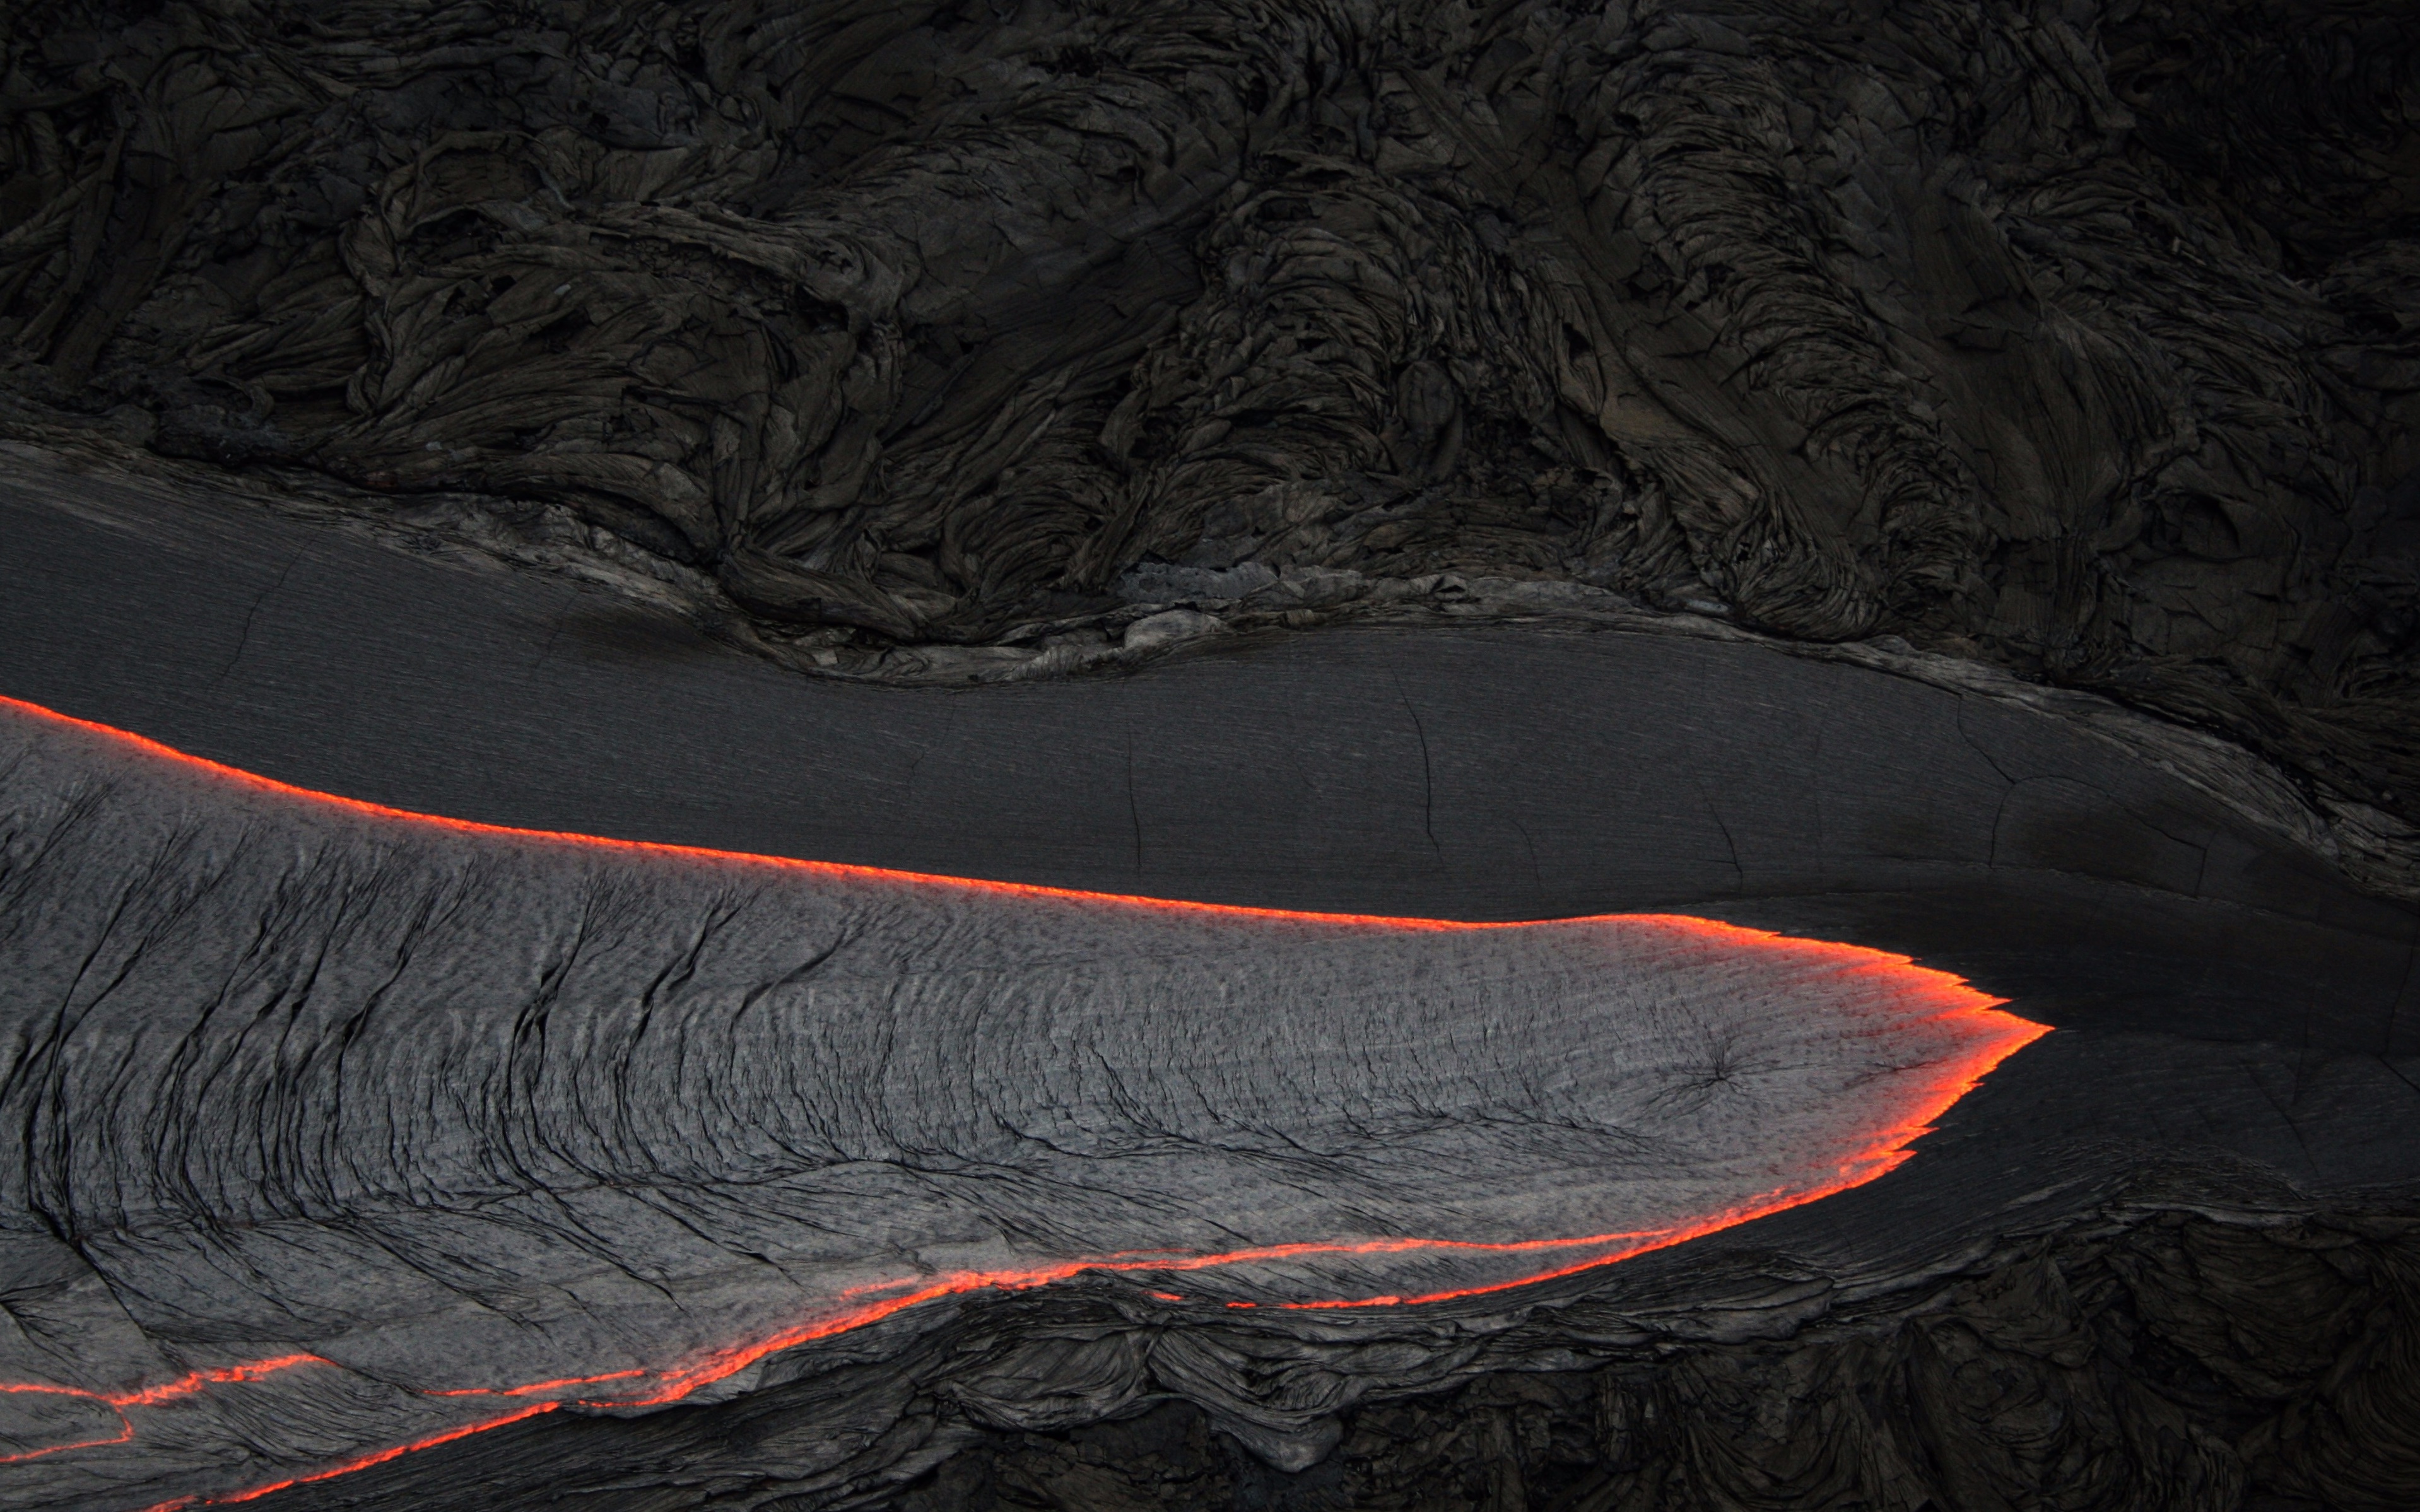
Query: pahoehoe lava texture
[[2177, 1364], [387, 1127], [2075, 335], [2150, 1261]]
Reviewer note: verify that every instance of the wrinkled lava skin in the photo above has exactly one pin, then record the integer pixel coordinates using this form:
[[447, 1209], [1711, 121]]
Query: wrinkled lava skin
[[397, 1128], [2078, 336]]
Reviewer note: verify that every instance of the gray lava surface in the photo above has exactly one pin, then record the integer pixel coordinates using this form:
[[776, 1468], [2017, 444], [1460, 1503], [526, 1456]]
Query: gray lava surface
[[473, 1116], [2235, 1028]]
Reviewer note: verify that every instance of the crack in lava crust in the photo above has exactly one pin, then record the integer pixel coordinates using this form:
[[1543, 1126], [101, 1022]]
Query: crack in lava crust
[[1985, 1035]]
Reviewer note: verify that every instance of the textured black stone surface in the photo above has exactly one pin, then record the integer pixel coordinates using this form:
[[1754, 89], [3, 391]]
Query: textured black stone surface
[[1938, 474], [2077, 336], [2237, 1030]]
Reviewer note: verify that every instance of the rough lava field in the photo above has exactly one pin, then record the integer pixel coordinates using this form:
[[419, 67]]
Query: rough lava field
[[1210, 755]]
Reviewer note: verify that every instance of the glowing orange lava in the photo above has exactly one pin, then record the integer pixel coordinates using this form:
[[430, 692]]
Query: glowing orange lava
[[185, 1386], [1993, 1036]]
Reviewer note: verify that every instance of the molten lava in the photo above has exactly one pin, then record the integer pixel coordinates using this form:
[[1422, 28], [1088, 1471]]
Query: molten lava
[[1987, 1037]]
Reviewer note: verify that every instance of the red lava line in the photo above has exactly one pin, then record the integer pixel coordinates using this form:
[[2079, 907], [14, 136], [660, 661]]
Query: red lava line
[[1997, 1036], [185, 1386], [365, 1461], [1848, 955], [536, 1386], [831, 869], [125, 1435]]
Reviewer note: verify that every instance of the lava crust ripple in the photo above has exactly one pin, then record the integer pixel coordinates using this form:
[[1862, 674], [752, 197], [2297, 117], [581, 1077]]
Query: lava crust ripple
[[343, 1131]]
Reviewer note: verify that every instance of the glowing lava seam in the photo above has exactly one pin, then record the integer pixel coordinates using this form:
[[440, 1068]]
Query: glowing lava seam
[[1997, 1036], [185, 1386]]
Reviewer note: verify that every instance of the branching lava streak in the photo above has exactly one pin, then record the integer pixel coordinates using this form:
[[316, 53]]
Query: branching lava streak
[[185, 1386]]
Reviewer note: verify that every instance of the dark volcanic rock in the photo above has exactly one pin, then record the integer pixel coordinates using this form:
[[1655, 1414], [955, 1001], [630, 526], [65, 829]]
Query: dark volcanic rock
[[2167, 1364], [2175, 1364], [1868, 393], [2222, 1122], [2074, 335]]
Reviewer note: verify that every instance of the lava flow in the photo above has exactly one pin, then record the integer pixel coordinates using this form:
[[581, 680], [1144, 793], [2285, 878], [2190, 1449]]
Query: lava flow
[[187, 1384], [1987, 1037]]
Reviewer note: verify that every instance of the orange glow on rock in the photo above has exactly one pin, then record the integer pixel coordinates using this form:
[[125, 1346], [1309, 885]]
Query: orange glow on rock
[[536, 1388], [1989, 1036], [379, 1457], [187, 1384]]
